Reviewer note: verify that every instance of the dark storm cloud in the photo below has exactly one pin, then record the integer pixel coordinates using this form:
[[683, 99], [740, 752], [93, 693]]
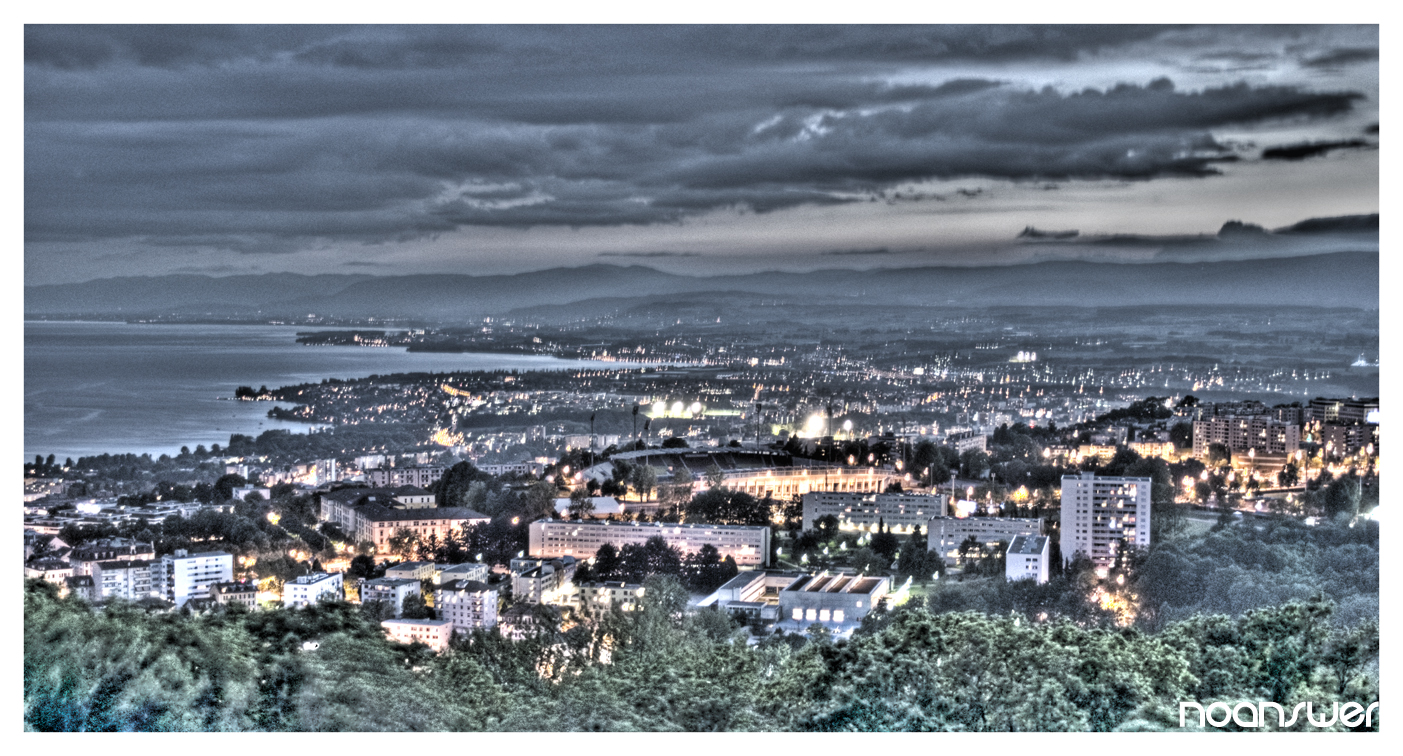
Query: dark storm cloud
[[265, 139], [1310, 149]]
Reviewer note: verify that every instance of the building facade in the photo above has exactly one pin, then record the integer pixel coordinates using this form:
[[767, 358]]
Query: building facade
[[1244, 433], [234, 593], [900, 512], [465, 571], [392, 591], [387, 477], [543, 580], [1027, 558], [432, 633], [129, 579], [945, 534], [748, 545], [599, 597], [306, 590], [184, 576], [467, 604], [1102, 515]]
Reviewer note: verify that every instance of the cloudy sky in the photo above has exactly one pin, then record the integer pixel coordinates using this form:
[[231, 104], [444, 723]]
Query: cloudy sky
[[389, 150]]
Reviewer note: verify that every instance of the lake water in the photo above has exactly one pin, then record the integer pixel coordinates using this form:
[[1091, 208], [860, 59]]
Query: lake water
[[91, 388]]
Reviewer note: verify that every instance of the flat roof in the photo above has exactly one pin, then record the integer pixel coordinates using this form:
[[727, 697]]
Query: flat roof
[[1030, 545], [642, 525]]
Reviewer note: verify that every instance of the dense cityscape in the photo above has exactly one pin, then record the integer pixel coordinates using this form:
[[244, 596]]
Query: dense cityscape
[[1007, 482]]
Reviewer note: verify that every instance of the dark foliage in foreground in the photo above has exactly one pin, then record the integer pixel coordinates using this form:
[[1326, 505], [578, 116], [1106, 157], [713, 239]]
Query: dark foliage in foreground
[[326, 668]]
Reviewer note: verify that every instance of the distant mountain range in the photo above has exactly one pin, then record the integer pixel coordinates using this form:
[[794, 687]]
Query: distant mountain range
[[1339, 279]]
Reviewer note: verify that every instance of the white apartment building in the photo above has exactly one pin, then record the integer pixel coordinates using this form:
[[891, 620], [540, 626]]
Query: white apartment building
[[308, 589], [1027, 558], [388, 477], [748, 545], [412, 570], [465, 571], [599, 597], [432, 633], [467, 604], [128, 579], [392, 591], [184, 576], [900, 512], [947, 533], [543, 580], [1101, 513]]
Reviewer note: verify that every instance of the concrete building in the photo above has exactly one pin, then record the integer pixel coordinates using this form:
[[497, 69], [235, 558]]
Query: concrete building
[[306, 590], [392, 591], [759, 474], [1343, 411], [963, 441], [1099, 514], [386, 477], [1341, 439], [749, 545], [533, 469], [184, 576], [432, 633], [51, 570], [543, 580], [80, 586], [467, 604], [604, 506], [129, 579], [86, 557], [465, 571], [1243, 433], [1027, 558], [234, 593], [900, 512], [596, 598], [412, 570], [375, 515], [766, 596], [947, 533]]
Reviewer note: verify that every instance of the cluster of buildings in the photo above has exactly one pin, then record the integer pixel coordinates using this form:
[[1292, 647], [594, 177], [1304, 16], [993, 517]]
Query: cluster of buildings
[[377, 514]]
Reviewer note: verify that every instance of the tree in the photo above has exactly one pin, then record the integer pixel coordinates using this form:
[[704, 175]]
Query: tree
[[643, 478], [581, 505], [606, 562], [675, 442], [224, 487], [885, 544], [1182, 434], [1218, 454], [715, 476], [1342, 497], [974, 463], [415, 607]]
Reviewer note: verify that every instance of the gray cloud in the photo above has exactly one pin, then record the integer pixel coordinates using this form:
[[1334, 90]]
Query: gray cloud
[[273, 139], [1343, 57], [649, 254]]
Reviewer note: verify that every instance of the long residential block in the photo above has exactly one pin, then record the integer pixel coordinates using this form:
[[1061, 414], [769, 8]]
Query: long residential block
[[749, 545], [900, 512]]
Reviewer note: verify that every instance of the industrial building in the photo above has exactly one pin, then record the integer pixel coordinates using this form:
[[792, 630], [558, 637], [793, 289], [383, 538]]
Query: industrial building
[[766, 596]]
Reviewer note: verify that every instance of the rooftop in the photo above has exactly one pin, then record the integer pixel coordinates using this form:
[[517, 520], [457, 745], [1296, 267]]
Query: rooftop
[[1030, 545]]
